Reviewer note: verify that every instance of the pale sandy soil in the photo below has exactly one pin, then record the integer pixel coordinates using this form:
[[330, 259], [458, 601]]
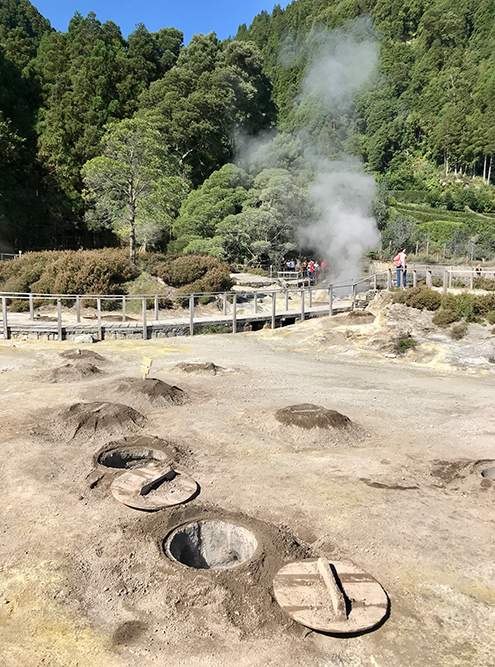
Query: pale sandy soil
[[83, 580]]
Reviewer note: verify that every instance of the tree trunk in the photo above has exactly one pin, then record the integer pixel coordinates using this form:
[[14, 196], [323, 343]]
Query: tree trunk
[[132, 246], [489, 170], [484, 169], [446, 162]]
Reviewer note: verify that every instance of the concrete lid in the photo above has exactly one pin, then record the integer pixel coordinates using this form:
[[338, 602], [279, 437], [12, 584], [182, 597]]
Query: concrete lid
[[335, 597], [153, 487]]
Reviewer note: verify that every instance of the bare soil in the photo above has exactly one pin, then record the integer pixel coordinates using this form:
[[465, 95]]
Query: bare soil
[[84, 580]]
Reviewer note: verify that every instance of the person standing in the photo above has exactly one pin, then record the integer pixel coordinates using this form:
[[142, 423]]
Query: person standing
[[402, 268]]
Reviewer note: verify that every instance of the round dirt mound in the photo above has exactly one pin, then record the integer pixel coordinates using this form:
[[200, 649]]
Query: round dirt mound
[[154, 391], [306, 415], [86, 420], [207, 367], [211, 545], [87, 355], [135, 452], [83, 370]]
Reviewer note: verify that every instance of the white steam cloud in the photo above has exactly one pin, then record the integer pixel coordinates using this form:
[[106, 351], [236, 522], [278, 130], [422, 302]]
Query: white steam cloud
[[345, 63], [342, 63]]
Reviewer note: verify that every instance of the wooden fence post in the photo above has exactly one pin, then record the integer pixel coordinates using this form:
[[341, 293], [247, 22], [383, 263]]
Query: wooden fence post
[[302, 305], [354, 295], [157, 309], [389, 279], [415, 277], [78, 309], [374, 282], [6, 334], [98, 310], [274, 308], [445, 281], [286, 299], [123, 308], [471, 280], [255, 303], [234, 313], [191, 315], [428, 277], [31, 307], [330, 301], [450, 278], [59, 320], [224, 304], [145, 323]]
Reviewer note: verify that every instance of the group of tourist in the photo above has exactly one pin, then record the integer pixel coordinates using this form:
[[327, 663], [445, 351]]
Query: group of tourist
[[307, 268]]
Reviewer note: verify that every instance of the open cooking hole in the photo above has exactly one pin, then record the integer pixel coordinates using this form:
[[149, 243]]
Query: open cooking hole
[[489, 473], [130, 457], [210, 545]]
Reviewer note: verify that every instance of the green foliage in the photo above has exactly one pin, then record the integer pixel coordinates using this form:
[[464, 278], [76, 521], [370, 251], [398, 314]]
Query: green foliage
[[265, 229], [444, 318], [132, 188], [200, 104], [418, 297], [490, 317], [458, 331], [403, 344], [484, 283], [220, 195], [68, 272], [400, 231], [194, 273]]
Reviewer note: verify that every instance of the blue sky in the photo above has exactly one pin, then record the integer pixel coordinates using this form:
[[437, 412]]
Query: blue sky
[[190, 16]]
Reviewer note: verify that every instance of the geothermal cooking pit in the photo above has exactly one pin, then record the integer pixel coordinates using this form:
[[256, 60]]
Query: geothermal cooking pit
[[489, 473], [130, 457], [210, 545]]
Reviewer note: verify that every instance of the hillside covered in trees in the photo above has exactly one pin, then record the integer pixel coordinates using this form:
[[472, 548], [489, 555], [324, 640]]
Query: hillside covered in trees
[[252, 148]]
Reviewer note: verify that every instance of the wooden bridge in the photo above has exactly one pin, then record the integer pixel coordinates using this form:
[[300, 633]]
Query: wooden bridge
[[98, 317]]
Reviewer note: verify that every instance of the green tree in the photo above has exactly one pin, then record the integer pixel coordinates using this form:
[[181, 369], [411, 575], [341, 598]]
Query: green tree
[[199, 104], [266, 228], [132, 188], [399, 232], [222, 194]]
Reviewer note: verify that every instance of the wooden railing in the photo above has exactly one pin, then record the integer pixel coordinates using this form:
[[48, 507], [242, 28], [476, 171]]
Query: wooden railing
[[297, 301]]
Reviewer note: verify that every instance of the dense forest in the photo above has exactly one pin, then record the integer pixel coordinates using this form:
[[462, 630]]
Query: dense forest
[[240, 148]]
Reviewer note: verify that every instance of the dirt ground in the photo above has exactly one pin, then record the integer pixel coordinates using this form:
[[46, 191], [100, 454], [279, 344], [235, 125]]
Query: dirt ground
[[84, 579]]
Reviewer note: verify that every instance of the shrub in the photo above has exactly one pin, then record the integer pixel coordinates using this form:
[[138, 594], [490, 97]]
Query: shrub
[[70, 272], [483, 304], [419, 297], [195, 273], [444, 318], [458, 331], [484, 283], [404, 343], [490, 316]]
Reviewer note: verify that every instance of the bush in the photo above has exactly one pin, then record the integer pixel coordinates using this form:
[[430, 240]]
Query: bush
[[418, 297], [195, 273], [444, 318], [458, 331], [484, 283], [69, 272], [490, 316], [483, 304], [403, 344]]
